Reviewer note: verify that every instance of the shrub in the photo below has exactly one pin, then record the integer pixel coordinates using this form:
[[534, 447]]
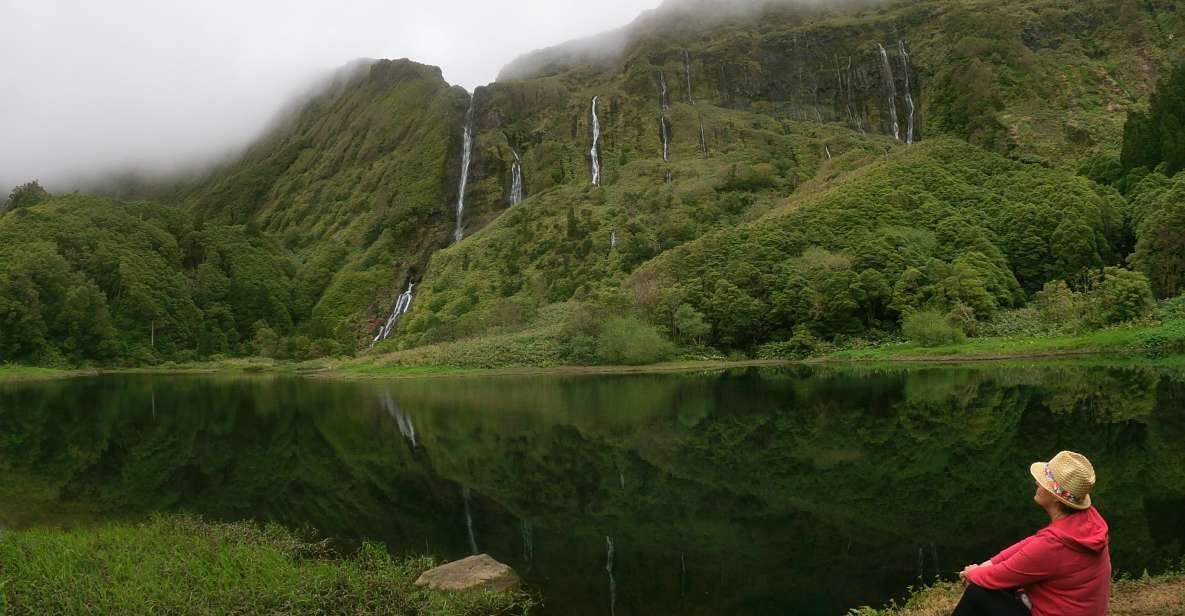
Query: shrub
[[802, 345], [1121, 296], [962, 317], [631, 342], [1171, 309], [930, 328]]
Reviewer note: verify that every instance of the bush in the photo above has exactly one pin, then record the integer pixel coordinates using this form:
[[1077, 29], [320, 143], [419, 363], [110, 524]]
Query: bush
[[930, 328], [1121, 296], [1171, 309], [802, 345], [629, 341]]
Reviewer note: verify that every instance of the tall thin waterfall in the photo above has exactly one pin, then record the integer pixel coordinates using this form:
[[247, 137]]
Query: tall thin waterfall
[[613, 239], [909, 106], [406, 428], [466, 155], [827, 151], [890, 90], [516, 180], [664, 96], [668, 177], [596, 139], [609, 570], [687, 72], [469, 520], [402, 305], [665, 129], [703, 140]]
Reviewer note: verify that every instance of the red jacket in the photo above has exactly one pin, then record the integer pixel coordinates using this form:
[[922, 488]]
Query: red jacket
[[1065, 568]]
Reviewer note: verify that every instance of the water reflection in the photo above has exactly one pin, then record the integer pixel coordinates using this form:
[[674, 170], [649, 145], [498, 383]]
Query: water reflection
[[747, 490]]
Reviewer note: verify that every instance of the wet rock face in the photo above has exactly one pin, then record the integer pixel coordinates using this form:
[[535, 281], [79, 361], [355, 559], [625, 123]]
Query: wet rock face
[[475, 572]]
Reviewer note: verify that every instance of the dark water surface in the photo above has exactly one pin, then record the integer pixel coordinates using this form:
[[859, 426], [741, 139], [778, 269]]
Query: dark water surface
[[756, 491]]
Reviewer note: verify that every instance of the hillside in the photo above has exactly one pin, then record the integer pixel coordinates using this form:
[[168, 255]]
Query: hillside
[[722, 177]]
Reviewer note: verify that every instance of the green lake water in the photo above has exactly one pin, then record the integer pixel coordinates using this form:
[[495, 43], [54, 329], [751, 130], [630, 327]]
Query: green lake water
[[750, 491]]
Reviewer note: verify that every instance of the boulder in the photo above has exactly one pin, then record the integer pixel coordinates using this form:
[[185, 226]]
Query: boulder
[[480, 572]]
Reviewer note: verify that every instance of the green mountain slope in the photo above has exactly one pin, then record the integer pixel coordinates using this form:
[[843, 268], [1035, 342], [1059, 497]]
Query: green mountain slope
[[759, 172]]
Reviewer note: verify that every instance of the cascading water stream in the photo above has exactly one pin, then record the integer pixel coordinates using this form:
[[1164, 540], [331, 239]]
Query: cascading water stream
[[402, 305], [664, 96], [687, 72], [609, 570], [613, 239], [596, 139], [909, 106], [665, 130], [827, 152], [703, 140], [466, 155], [516, 180], [890, 91], [469, 520]]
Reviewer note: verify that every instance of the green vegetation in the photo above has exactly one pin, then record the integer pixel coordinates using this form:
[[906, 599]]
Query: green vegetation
[[1159, 594], [793, 221], [183, 565]]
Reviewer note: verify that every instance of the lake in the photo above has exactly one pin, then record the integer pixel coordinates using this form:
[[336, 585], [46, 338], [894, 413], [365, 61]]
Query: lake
[[791, 490]]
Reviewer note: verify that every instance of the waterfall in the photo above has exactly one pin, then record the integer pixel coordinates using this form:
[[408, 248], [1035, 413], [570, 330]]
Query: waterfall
[[469, 520], [621, 477], [402, 420], [908, 92], [818, 116], [687, 71], [664, 129], [516, 180], [827, 151], [668, 177], [466, 155], [402, 305], [664, 96], [596, 138], [613, 239], [609, 570], [703, 141], [890, 90], [528, 533]]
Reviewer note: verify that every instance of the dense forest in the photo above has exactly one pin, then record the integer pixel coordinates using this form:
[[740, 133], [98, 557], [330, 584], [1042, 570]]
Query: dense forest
[[762, 184]]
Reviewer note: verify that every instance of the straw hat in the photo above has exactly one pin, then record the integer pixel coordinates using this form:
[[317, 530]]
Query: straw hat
[[1068, 476]]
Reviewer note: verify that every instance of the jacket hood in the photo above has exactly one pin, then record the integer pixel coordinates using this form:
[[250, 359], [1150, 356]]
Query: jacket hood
[[1085, 531]]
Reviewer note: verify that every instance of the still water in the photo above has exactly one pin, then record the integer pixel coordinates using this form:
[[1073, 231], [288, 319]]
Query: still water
[[754, 491]]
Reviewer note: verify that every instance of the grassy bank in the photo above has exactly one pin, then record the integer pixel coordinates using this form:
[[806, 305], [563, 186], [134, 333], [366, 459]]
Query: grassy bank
[[1152, 596], [182, 565], [1153, 340], [33, 373]]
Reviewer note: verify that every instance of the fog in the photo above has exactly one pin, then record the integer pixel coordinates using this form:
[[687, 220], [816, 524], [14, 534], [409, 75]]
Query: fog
[[95, 88]]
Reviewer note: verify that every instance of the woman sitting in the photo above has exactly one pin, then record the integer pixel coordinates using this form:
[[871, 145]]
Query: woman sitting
[[1064, 569]]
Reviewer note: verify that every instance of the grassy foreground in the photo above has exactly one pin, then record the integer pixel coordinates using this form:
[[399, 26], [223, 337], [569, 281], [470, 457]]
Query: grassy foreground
[[33, 373], [1156, 340], [1150, 596], [181, 565]]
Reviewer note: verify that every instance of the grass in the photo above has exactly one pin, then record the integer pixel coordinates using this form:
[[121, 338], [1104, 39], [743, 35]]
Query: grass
[[181, 565], [1160, 339], [33, 373], [1148, 596]]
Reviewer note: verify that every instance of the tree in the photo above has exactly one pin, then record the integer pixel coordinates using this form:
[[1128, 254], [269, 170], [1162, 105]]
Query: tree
[[86, 321], [1120, 296], [690, 325], [26, 195], [1160, 250]]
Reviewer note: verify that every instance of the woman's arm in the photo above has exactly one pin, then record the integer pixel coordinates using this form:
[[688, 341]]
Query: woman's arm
[[1032, 562], [1007, 552]]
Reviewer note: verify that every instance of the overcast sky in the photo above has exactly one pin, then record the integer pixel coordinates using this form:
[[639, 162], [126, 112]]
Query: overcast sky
[[88, 87]]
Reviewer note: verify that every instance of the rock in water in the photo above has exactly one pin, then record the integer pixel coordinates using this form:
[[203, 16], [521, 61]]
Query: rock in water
[[480, 572]]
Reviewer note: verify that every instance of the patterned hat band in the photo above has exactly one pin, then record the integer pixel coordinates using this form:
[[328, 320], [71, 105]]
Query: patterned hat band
[[1057, 488]]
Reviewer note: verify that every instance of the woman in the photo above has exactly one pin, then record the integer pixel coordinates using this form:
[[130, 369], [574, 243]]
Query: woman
[[1064, 569]]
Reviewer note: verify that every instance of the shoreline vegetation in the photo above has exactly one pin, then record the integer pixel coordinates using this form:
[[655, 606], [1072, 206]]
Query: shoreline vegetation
[[239, 568], [1141, 342], [1155, 595]]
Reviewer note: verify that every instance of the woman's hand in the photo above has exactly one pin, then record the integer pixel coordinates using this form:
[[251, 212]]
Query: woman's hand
[[965, 571]]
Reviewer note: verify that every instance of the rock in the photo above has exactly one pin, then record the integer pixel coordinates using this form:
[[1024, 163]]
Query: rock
[[480, 572]]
